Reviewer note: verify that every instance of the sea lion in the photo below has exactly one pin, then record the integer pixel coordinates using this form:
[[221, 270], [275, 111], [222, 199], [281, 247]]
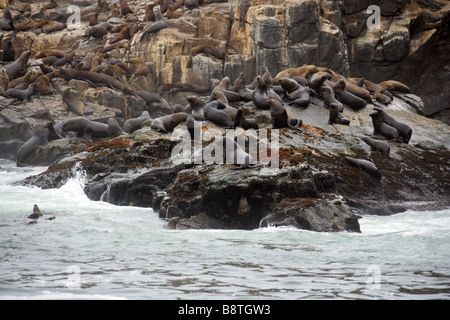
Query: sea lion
[[93, 78], [42, 85], [404, 130], [303, 71], [124, 7], [98, 32], [36, 213], [197, 107], [149, 14], [210, 51], [149, 97], [336, 116], [214, 112], [9, 53], [239, 86], [243, 122], [364, 165], [134, 124], [220, 96], [118, 45], [232, 96], [168, 123], [260, 97], [383, 129], [233, 153], [72, 102], [15, 68], [7, 23], [39, 138], [114, 130], [156, 26], [267, 78], [86, 128], [356, 103], [140, 67], [329, 98], [4, 82], [50, 52], [54, 27], [21, 94], [317, 79], [353, 89], [280, 117], [297, 94], [380, 146], [178, 108], [393, 85]]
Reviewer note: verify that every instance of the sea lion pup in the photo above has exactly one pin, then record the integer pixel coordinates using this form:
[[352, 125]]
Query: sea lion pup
[[131, 125], [239, 86], [39, 138], [7, 23], [260, 97], [4, 82], [280, 117], [210, 51], [54, 26], [167, 123], [140, 67], [317, 79], [156, 26], [21, 94], [243, 122], [364, 165], [296, 93], [114, 129], [149, 14], [15, 68], [197, 107], [379, 127], [393, 85], [356, 103], [86, 128], [232, 96], [404, 130], [124, 7], [329, 98], [214, 112], [379, 146], [303, 71], [72, 103], [233, 153], [50, 52], [42, 85], [336, 117]]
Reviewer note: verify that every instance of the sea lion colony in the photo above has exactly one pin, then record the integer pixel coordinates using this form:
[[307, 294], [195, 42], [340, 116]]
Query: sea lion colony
[[24, 76]]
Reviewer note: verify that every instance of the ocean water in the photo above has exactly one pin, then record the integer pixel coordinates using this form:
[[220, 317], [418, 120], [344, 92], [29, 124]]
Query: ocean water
[[95, 250]]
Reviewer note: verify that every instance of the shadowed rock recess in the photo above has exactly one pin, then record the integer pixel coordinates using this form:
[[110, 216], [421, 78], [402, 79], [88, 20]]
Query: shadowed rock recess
[[328, 103]]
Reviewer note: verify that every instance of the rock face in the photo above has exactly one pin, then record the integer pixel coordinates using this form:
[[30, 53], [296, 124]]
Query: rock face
[[312, 187]]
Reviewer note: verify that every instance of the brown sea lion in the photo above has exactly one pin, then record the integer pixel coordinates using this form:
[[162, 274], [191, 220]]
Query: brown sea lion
[[86, 128], [6, 23], [149, 14], [50, 52], [267, 78], [168, 123], [379, 127], [72, 102], [379, 146], [9, 54], [54, 26], [364, 165], [197, 107], [122, 44], [243, 122], [124, 7], [303, 71], [39, 138], [232, 96], [260, 97], [15, 68], [328, 96], [239, 86], [297, 94], [21, 94], [114, 130], [42, 85], [404, 130], [280, 117], [98, 32], [210, 51], [93, 78], [4, 82], [220, 96], [28, 25], [317, 79], [140, 67], [393, 85], [356, 103]]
